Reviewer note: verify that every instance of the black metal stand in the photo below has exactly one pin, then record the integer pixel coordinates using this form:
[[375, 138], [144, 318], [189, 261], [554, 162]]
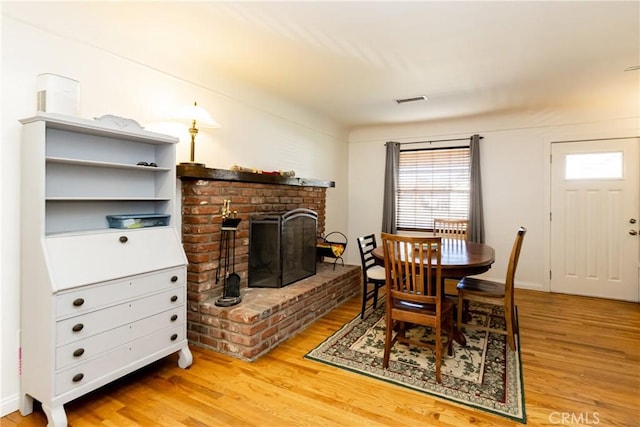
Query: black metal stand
[[228, 234], [326, 249]]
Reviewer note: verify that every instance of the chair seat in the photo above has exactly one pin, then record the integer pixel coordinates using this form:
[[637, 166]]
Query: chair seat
[[376, 273], [472, 285], [447, 305]]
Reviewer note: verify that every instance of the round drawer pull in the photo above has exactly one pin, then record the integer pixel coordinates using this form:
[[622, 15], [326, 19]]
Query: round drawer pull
[[174, 317], [79, 352], [77, 327], [174, 298], [78, 302], [174, 337], [124, 239], [78, 378], [174, 278]]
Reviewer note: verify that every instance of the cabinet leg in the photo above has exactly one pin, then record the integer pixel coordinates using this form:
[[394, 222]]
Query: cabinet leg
[[185, 358], [56, 416], [26, 404]]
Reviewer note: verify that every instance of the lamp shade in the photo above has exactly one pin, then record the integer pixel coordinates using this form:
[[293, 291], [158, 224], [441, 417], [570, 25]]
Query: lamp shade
[[197, 114]]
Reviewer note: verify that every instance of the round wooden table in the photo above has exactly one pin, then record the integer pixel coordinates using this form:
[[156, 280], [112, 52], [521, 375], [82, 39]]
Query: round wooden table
[[460, 258]]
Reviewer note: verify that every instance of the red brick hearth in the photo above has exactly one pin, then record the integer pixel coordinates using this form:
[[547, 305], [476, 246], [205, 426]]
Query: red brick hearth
[[265, 317]]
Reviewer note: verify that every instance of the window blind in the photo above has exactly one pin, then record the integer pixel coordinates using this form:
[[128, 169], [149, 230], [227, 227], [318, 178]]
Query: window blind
[[432, 183]]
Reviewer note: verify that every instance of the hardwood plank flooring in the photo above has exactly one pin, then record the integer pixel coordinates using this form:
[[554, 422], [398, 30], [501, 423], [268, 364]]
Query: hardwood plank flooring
[[581, 365]]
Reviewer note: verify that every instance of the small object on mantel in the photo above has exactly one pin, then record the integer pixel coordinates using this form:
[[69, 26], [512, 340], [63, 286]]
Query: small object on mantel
[[237, 168], [286, 174]]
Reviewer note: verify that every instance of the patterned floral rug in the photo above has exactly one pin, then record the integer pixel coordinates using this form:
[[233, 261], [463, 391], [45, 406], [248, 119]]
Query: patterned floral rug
[[484, 375]]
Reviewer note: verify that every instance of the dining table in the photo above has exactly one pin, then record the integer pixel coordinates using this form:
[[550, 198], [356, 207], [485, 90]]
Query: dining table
[[459, 258]]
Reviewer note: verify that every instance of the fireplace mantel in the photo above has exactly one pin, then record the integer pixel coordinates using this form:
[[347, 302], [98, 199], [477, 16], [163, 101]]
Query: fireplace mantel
[[193, 172]]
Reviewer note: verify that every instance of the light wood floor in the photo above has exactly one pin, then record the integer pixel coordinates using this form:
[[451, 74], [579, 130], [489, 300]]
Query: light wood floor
[[581, 362]]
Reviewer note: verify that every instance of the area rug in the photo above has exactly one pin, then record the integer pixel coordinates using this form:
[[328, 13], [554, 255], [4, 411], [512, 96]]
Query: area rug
[[483, 375]]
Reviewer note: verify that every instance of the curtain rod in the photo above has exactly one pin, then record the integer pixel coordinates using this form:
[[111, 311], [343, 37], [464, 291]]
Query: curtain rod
[[437, 140]]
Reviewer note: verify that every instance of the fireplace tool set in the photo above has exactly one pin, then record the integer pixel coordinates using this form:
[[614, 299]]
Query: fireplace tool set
[[231, 289]]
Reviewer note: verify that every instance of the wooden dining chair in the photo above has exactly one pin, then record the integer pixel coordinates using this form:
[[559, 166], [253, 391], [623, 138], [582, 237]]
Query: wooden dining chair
[[456, 229], [373, 276], [475, 289], [413, 292]]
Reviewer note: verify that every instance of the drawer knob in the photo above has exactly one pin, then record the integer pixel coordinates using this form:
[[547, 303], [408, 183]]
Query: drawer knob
[[174, 317], [174, 337], [78, 378], [77, 327], [78, 302], [174, 298], [174, 278], [79, 352], [124, 239]]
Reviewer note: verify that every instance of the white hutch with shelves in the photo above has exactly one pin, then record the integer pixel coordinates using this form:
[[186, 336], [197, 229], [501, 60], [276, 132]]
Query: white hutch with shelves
[[97, 302]]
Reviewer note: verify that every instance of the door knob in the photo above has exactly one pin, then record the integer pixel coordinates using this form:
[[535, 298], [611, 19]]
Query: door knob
[[633, 232]]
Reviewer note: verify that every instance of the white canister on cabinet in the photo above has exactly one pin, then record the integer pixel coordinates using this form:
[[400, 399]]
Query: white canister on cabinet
[[58, 94]]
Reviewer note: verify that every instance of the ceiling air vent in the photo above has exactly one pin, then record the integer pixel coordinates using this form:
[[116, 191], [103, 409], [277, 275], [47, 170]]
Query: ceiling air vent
[[412, 99]]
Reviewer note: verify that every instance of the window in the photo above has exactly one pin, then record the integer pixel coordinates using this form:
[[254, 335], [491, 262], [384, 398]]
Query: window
[[594, 165], [432, 183]]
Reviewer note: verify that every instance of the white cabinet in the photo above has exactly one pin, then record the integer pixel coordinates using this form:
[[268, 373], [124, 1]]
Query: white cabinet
[[97, 303]]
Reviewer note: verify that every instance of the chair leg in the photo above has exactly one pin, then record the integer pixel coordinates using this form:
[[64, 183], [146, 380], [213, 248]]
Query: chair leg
[[460, 310], [364, 300], [438, 355], [509, 320], [450, 327], [375, 296], [387, 341]]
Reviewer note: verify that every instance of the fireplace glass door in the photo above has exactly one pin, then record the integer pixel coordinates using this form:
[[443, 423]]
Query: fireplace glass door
[[282, 248]]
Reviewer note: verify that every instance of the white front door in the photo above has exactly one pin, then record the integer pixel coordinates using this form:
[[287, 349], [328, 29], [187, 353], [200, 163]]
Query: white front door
[[595, 218]]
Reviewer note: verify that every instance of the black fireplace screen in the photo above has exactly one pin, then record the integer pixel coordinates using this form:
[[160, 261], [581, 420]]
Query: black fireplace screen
[[282, 248]]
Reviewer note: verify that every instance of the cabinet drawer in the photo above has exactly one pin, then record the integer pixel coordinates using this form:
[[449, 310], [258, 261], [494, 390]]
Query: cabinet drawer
[[95, 322], [104, 366], [83, 350], [89, 298], [81, 259]]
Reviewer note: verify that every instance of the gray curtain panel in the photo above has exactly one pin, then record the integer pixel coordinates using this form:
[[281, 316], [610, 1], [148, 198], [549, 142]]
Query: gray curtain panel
[[390, 187], [476, 214]]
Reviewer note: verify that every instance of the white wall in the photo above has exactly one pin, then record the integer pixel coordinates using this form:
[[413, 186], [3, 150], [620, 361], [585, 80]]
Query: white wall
[[257, 131], [515, 178]]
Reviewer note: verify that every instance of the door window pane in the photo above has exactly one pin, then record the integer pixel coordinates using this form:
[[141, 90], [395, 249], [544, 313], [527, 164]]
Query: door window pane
[[594, 165]]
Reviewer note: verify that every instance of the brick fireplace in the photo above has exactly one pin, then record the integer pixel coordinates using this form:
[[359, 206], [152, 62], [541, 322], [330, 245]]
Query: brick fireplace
[[265, 317]]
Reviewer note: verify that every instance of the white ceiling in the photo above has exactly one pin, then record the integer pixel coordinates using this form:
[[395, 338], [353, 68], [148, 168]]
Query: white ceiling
[[349, 60]]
